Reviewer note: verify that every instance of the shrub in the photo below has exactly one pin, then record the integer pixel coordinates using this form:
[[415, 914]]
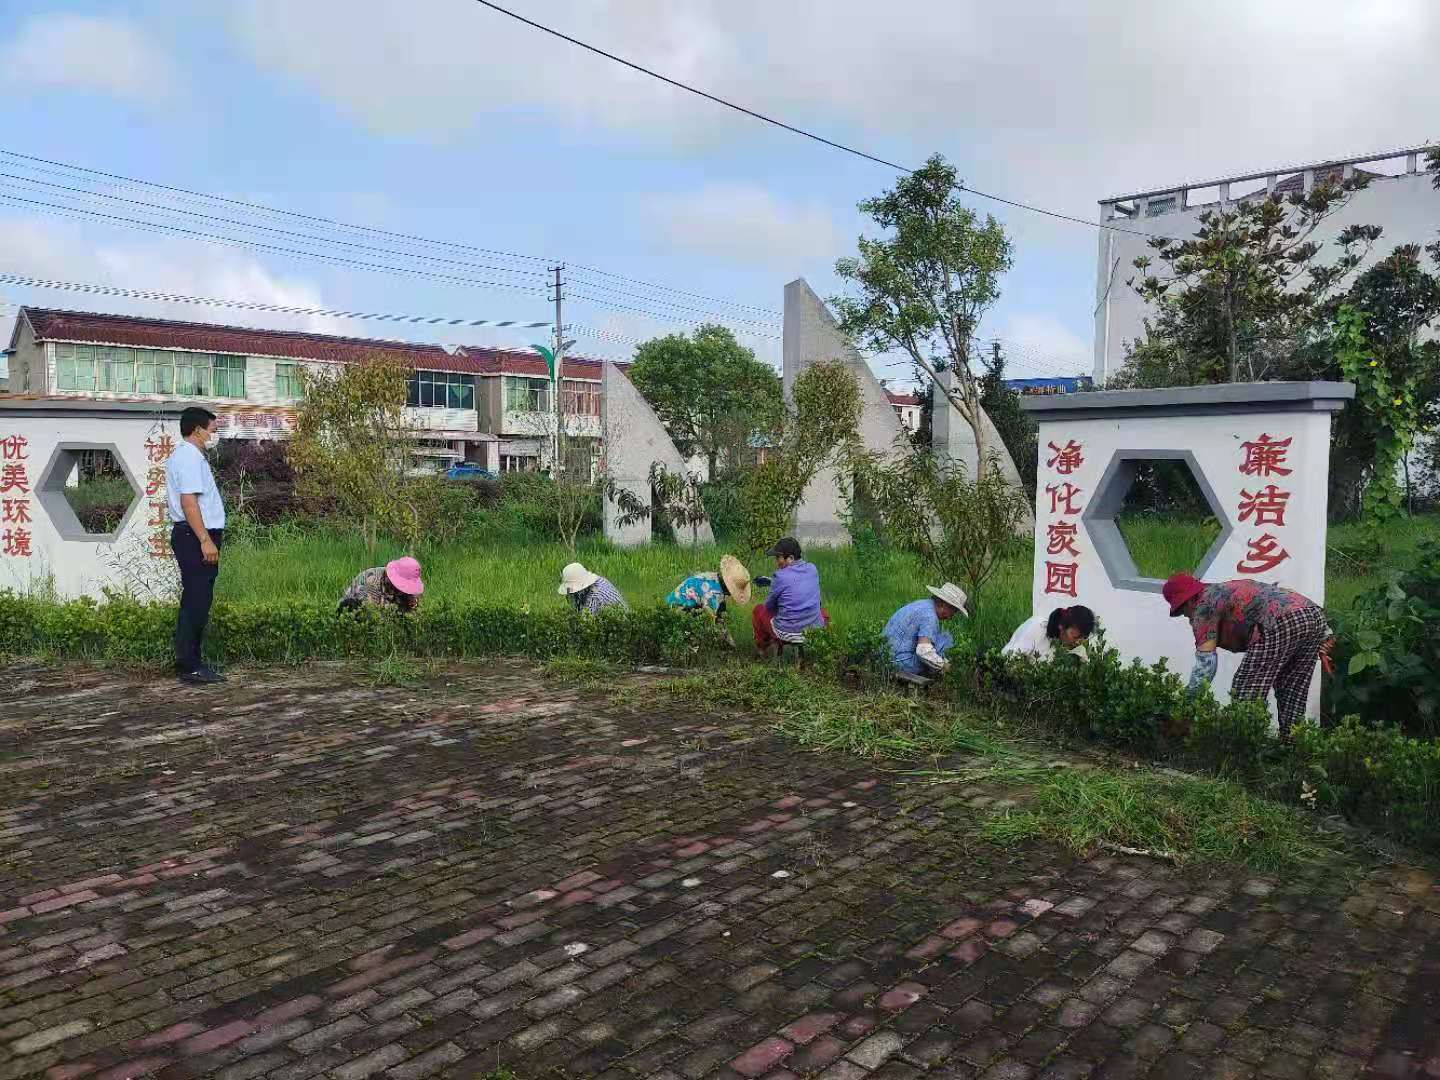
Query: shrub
[[1230, 738], [291, 632], [1388, 652], [1375, 774], [855, 651]]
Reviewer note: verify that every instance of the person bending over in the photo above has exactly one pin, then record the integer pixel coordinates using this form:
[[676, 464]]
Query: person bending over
[[917, 641], [1042, 636]]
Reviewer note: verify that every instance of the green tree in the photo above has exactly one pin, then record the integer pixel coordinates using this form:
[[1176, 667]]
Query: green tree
[[352, 445], [1018, 430], [709, 391], [1238, 301], [957, 527], [923, 286], [1396, 373], [819, 428]]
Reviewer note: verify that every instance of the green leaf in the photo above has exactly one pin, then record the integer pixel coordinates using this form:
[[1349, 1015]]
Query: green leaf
[[1359, 662], [1368, 639]]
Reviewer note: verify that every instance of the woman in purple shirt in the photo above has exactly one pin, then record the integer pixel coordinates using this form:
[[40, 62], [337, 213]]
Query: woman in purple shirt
[[793, 605]]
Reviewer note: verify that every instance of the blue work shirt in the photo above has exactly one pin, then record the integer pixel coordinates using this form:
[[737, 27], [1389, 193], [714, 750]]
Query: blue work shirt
[[907, 626]]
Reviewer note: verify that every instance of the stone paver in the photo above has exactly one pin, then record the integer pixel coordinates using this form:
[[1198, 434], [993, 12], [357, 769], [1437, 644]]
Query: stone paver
[[298, 875]]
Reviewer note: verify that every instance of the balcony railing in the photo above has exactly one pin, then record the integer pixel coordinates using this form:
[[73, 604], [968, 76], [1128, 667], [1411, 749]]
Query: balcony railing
[[1298, 179]]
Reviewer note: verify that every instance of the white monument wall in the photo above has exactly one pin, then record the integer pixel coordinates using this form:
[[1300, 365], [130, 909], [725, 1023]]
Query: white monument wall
[[1261, 455], [42, 543]]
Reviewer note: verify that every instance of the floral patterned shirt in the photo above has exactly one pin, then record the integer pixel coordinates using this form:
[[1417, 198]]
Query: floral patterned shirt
[[1245, 604], [368, 587], [699, 592]]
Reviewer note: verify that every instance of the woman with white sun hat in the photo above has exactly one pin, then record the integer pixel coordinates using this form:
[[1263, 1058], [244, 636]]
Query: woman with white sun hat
[[589, 592]]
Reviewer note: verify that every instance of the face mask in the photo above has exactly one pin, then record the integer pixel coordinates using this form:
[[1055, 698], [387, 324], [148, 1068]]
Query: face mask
[[213, 441]]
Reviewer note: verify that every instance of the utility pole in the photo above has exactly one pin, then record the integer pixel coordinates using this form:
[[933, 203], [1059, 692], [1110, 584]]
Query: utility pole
[[556, 374]]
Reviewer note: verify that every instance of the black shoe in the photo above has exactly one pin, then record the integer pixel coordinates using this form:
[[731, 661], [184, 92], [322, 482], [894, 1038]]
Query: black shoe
[[201, 676]]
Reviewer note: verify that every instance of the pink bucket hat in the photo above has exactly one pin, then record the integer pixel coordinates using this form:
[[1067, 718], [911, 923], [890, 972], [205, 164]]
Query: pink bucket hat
[[404, 574]]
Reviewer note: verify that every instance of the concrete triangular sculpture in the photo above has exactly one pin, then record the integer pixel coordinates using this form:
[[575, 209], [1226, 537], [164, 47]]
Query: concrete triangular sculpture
[[813, 335], [634, 439]]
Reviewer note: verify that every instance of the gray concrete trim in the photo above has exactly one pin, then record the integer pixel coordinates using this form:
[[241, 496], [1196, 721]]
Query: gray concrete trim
[[88, 407], [1099, 517], [50, 493], [1223, 398]]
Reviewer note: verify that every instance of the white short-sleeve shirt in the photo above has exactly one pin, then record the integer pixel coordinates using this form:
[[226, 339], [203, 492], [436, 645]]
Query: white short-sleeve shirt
[[188, 473], [1030, 639]]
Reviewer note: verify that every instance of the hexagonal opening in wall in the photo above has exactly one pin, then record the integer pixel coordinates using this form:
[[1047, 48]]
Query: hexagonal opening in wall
[[87, 491], [1153, 515]]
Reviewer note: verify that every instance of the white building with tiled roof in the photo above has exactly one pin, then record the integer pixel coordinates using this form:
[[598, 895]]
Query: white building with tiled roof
[[484, 405]]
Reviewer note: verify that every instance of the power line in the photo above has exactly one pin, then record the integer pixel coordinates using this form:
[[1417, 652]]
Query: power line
[[201, 198], [794, 130], [256, 305]]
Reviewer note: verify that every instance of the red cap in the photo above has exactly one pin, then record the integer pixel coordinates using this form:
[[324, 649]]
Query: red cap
[[1179, 590]]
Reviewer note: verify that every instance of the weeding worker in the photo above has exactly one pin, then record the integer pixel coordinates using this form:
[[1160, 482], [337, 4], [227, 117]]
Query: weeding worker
[[793, 603], [395, 585], [918, 642], [589, 592], [1281, 633], [1043, 635], [708, 592]]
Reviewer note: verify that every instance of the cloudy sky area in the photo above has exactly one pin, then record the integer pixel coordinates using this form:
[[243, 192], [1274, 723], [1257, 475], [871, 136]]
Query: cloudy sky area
[[442, 119]]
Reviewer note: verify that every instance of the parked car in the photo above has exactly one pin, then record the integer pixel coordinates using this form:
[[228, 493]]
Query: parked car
[[468, 470]]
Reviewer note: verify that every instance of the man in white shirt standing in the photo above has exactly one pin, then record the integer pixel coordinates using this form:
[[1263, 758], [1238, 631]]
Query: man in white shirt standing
[[197, 514]]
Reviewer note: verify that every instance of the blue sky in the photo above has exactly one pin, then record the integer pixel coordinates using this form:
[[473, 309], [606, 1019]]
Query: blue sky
[[439, 118]]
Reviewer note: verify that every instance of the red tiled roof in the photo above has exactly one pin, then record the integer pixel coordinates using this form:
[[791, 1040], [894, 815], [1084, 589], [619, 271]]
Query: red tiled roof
[[147, 333], [907, 398], [513, 362]]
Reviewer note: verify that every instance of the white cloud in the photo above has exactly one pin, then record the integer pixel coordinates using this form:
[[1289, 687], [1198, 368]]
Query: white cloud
[[1044, 101], [110, 55], [53, 250], [1038, 344], [743, 224]]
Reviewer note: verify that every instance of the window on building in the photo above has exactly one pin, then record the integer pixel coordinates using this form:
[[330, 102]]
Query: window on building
[[526, 395], [229, 378], [288, 385], [578, 398], [440, 390], [154, 371], [115, 369]]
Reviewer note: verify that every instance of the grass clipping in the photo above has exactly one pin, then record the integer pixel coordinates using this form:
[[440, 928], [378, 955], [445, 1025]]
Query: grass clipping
[[1184, 819]]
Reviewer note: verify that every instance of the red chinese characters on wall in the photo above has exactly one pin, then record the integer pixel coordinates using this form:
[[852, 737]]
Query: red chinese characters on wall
[[1264, 456], [1062, 573], [158, 448], [16, 538]]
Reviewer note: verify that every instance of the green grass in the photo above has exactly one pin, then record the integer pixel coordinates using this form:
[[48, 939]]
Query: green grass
[[1203, 820], [100, 503], [1162, 546], [859, 589]]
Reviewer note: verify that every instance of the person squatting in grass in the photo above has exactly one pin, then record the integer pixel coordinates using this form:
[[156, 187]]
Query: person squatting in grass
[[588, 592], [1281, 633], [707, 592], [917, 642], [395, 585], [197, 531], [1046, 636], [793, 603]]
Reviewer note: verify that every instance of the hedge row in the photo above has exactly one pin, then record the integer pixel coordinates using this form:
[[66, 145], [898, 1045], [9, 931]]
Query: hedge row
[[290, 632], [1370, 772]]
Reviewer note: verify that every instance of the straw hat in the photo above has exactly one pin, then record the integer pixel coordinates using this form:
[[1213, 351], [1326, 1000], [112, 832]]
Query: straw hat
[[575, 578], [736, 578], [404, 574], [951, 594]]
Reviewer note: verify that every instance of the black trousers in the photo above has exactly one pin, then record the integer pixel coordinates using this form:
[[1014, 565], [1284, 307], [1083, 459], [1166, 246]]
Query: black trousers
[[197, 590]]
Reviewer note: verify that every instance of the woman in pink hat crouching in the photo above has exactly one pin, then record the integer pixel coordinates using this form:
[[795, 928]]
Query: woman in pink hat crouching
[[395, 585]]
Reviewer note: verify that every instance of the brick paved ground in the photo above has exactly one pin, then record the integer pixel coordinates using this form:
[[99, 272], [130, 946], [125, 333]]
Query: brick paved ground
[[299, 876]]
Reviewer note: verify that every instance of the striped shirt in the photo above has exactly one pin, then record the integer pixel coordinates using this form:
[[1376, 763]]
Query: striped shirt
[[600, 596]]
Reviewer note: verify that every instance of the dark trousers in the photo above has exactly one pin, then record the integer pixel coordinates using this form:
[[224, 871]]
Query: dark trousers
[[197, 590]]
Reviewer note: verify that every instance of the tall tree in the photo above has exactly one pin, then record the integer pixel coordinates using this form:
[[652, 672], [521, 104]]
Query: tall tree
[[1018, 429], [1237, 301], [709, 391], [352, 445], [923, 286]]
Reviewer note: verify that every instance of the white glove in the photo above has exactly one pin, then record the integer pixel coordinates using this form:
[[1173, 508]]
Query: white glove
[[929, 657]]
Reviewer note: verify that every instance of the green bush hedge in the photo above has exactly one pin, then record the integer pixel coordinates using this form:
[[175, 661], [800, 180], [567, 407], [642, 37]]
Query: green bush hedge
[[289, 632]]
